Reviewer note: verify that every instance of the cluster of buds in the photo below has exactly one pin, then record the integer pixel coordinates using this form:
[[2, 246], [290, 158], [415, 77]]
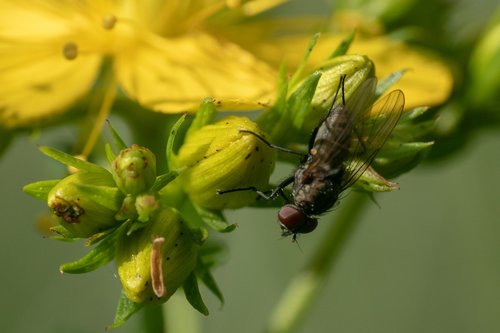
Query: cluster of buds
[[154, 227]]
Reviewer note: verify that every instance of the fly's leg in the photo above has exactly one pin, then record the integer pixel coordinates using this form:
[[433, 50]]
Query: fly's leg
[[266, 195], [269, 144]]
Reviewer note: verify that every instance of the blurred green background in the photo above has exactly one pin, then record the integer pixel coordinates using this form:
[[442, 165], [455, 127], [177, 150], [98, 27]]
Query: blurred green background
[[427, 260]]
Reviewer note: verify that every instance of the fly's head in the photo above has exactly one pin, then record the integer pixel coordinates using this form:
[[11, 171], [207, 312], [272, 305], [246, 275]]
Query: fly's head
[[294, 221]]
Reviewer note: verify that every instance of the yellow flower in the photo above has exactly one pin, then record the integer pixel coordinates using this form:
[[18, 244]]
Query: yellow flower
[[163, 53]]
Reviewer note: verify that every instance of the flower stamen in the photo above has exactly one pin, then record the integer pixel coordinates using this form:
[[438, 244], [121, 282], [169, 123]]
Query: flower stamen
[[70, 51], [108, 22]]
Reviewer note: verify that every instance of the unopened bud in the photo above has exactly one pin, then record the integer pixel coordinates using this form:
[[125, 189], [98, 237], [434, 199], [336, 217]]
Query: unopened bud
[[224, 156], [154, 261], [134, 169], [76, 210]]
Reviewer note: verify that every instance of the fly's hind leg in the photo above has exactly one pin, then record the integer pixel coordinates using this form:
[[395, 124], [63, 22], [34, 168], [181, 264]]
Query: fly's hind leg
[[268, 195]]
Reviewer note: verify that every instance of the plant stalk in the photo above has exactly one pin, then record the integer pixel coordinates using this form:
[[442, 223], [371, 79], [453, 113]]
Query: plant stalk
[[304, 288]]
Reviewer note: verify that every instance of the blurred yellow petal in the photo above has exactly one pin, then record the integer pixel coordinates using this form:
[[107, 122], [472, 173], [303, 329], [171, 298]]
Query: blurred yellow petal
[[42, 88], [173, 75], [37, 78], [428, 81]]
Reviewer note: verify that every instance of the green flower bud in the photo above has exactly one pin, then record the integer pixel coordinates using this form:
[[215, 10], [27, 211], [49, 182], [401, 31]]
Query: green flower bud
[[357, 69], [154, 261], [77, 211], [134, 169], [221, 157], [146, 205]]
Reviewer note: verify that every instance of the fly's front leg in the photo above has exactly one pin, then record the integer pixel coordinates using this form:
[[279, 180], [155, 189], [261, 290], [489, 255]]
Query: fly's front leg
[[283, 149]]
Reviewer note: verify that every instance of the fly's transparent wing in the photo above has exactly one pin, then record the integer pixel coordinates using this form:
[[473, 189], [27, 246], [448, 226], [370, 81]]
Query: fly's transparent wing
[[372, 127], [357, 106]]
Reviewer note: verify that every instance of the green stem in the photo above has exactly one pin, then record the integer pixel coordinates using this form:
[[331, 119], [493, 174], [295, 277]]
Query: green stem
[[305, 286], [152, 319]]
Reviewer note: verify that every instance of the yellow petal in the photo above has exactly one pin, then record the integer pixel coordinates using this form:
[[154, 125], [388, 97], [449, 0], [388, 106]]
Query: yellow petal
[[173, 75], [428, 81], [36, 85], [36, 80]]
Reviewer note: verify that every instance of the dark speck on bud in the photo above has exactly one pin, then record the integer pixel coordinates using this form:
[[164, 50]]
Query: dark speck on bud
[[134, 170], [76, 210]]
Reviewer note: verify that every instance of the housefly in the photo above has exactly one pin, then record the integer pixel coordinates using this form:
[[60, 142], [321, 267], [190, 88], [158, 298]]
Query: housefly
[[341, 148]]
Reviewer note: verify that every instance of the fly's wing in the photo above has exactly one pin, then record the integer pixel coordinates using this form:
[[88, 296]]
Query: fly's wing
[[357, 106], [372, 127]]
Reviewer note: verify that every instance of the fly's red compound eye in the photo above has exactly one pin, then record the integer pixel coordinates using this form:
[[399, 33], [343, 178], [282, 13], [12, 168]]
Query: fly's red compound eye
[[294, 221]]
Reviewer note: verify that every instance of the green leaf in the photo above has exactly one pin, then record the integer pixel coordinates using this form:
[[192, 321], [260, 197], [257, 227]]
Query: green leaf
[[107, 196], [99, 256], [72, 161], [384, 84], [343, 47], [203, 272], [40, 190], [214, 219], [125, 309], [171, 140], [163, 180], [110, 155], [193, 295], [117, 140], [204, 116]]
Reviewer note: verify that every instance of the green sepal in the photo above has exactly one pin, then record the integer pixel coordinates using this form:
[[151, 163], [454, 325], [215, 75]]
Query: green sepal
[[204, 116], [372, 181], [72, 161], [193, 295], [171, 141], [285, 119], [203, 272], [214, 219], [384, 84], [117, 140], [125, 309], [40, 190], [63, 234], [403, 160], [96, 238], [136, 225], [107, 196], [343, 47], [99, 256], [163, 180], [270, 121], [298, 72], [300, 100], [110, 155]]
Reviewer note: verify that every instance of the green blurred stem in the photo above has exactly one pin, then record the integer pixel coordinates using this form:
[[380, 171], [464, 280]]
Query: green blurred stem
[[152, 320], [304, 288]]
